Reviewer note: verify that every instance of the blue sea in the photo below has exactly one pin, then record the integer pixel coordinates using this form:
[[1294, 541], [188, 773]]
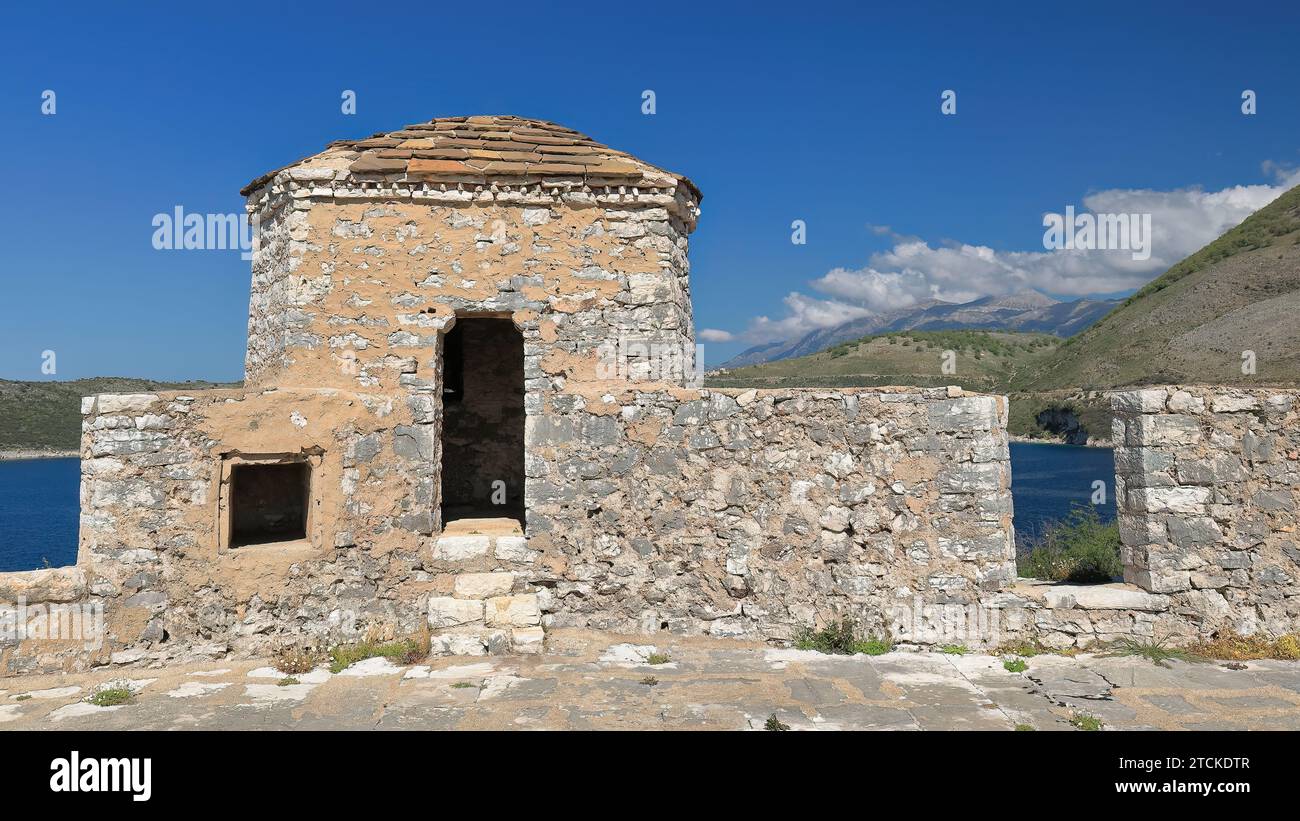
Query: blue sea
[[1046, 480], [38, 499], [38, 513]]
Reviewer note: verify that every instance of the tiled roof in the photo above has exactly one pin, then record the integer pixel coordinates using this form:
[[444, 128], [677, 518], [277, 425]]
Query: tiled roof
[[484, 149]]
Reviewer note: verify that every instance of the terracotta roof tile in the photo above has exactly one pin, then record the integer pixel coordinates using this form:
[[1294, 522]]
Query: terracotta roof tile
[[478, 148]]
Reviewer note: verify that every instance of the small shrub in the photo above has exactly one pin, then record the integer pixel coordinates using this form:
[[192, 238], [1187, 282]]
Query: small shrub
[[1023, 647], [287, 681], [1229, 646], [23, 697], [875, 647], [1085, 721], [775, 724], [1021, 728], [1157, 652], [111, 694], [1287, 648], [293, 660], [460, 685], [954, 649], [659, 658], [842, 639], [1076, 549], [650, 681], [1014, 665]]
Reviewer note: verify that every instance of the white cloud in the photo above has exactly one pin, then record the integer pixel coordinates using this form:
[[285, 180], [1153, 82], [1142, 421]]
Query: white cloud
[[913, 270], [715, 335]]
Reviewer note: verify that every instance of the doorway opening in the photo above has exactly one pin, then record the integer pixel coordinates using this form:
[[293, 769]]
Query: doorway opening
[[483, 420]]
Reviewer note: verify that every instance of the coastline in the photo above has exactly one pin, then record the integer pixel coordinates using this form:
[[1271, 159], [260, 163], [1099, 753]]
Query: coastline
[[23, 454], [1030, 440]]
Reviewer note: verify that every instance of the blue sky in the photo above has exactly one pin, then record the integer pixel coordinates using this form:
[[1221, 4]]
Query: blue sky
[[824, 113]]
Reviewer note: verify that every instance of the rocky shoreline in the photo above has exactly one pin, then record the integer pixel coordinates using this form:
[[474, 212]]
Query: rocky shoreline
[[1091, 443]]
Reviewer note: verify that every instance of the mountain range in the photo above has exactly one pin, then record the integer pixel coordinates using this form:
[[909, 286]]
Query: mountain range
[[1026, 311]]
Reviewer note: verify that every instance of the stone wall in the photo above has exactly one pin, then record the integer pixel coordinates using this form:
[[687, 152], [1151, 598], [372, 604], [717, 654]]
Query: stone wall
[[757, 513], [1207, 486]]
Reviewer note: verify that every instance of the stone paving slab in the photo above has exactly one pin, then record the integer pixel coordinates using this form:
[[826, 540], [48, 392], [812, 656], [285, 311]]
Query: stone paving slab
[[589, 680]]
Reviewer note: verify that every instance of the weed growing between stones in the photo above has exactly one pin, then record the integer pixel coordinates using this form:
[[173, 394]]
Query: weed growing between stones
[[659, 658], [1077, 549], [650, 681], [111, 694], [460, 685], [287, 681], [775, 724], [1023, 728], [1015, 665], [1230, 646], [1157, 652], [23, 697], [403, 651], [1031, 646], [1085, 721], [954, 649], [842, 639]]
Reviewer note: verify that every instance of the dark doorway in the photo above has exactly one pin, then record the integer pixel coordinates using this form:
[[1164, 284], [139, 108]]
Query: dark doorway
[[268, 503], [483, 420]]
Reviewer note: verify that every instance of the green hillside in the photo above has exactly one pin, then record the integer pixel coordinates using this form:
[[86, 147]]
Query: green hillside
[[1193, 323], [985, 360], [47, 415]]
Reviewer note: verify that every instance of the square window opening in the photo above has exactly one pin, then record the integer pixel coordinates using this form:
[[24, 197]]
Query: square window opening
[[268, 503]]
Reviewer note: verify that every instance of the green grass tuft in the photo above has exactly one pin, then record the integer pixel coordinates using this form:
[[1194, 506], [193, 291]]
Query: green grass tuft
[[1157, 652], [954, 649], [842, 639], [402, 651], [111, 695], [1015, 665], [1085, 721], [775, 724], [659, 658], [1022, 728]]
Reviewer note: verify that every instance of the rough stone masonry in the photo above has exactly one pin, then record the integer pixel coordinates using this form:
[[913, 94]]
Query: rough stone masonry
[[358, 483]]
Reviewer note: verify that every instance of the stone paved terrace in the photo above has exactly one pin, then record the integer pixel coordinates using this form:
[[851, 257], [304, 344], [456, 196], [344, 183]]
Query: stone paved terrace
[[591, 681]]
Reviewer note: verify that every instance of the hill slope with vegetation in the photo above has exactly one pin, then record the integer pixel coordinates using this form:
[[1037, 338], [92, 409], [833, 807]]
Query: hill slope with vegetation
[[1192, 324], [46, 416], [984, 360]]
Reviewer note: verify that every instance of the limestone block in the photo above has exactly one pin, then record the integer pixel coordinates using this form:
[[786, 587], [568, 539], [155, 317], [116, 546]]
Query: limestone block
[[483, 585], [445, 611], [514, 611], [528, 639], [1233, 403], [1143, 401], [1169, 499], [124, 402], [456, 548], [1104, 597]]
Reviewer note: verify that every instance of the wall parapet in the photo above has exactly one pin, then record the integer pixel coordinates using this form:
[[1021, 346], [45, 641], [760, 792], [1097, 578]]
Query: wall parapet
[[757, 513], [1207, 488]]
